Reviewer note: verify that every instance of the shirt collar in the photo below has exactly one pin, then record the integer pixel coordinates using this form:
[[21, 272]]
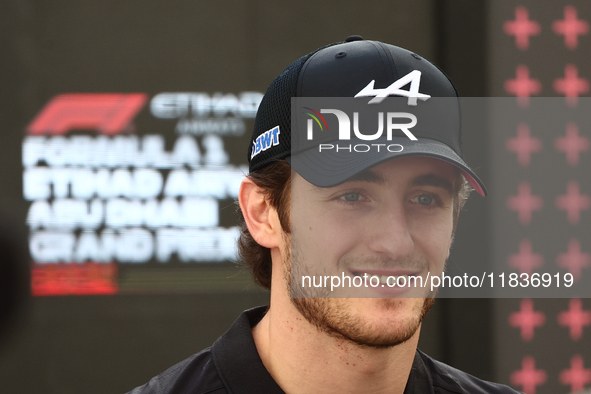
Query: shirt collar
[[419, 380], [241, 369], [237, 360]]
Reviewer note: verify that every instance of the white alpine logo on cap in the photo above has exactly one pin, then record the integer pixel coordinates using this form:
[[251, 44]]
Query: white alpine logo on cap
[[413, 77]]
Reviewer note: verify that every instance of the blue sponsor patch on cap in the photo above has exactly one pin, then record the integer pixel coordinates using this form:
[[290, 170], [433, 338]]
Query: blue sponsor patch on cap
[[264, 141]]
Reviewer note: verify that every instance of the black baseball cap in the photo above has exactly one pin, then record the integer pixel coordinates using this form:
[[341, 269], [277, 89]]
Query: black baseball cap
[[351, 69]]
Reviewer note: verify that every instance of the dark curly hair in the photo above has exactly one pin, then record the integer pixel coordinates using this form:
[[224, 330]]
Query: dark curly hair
[[275, 182]]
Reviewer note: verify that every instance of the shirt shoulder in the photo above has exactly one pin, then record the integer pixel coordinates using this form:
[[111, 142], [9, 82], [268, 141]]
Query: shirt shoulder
[[447, 379], [196, 375]]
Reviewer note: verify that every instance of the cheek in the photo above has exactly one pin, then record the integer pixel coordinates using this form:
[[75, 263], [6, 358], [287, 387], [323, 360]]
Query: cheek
[[321, 239], [434, 237]]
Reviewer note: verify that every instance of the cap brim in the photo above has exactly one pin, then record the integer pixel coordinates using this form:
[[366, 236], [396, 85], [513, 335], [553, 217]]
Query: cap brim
[[330, 168]]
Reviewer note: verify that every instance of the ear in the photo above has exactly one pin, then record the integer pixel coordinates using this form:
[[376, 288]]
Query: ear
[[260, 217]]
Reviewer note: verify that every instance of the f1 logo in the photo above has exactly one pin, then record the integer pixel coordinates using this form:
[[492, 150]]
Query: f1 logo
[[109, 113]]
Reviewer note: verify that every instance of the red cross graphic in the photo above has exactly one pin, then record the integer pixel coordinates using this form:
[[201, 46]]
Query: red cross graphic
[[574, 260], [572, 144], [526, 319], [571, 86], [576, 318], [524, 203], [522, 28], [573, 202], [526, 261], [528, 376], [523, 86], [524, 145], [570, 27], [577, 376]]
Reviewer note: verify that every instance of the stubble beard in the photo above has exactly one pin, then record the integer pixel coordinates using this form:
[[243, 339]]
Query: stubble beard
[[333, 316]]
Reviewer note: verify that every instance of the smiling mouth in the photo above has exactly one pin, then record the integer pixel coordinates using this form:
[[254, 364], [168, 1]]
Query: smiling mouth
[[383, 276]]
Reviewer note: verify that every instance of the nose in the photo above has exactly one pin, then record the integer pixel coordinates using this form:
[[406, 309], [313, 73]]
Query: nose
[[389, 233]]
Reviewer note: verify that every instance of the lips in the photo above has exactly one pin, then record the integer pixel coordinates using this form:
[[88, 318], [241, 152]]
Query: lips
[[384, 275]]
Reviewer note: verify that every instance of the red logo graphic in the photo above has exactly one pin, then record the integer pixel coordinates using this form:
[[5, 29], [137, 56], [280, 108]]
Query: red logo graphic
[[573, 202], [108, 113], [528, 376], [572, 144], [522, 28], [523, 86], [574, 260], [570, 27], [524, 145], [576, 318], [577, 376], [571, 86], [74, 278], [526, 261], [524, 203], [526, 319]]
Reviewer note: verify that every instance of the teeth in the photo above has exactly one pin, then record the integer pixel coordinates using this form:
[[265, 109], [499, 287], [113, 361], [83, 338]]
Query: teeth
[[383, 279], [393, 279]]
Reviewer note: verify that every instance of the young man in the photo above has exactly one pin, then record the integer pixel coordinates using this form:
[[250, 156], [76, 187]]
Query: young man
[[369, 206]]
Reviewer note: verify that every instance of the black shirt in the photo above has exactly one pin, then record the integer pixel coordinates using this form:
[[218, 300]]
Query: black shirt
[[233, 365]]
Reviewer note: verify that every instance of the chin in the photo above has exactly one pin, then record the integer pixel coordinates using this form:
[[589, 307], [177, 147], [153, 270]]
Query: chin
[[366, 322]]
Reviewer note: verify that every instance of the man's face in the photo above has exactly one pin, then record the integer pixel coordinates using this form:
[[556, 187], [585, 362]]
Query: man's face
[[395, 219]]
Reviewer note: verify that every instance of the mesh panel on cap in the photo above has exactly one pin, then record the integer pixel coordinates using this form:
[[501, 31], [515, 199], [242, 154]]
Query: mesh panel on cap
[[275, 110]]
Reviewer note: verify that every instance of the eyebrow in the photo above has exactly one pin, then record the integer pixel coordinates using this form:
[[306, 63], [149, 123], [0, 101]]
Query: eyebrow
[[368, 176], [421, 180], [433, 180]]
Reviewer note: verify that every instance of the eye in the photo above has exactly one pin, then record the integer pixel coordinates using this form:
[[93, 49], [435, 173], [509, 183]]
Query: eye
[[351, 197], [424, 199]]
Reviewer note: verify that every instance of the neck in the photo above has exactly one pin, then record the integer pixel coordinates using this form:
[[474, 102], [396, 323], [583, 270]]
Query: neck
[[304, 359]]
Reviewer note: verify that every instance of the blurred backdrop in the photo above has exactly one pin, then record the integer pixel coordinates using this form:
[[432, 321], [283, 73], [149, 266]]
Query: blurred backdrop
[[124, 135]]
